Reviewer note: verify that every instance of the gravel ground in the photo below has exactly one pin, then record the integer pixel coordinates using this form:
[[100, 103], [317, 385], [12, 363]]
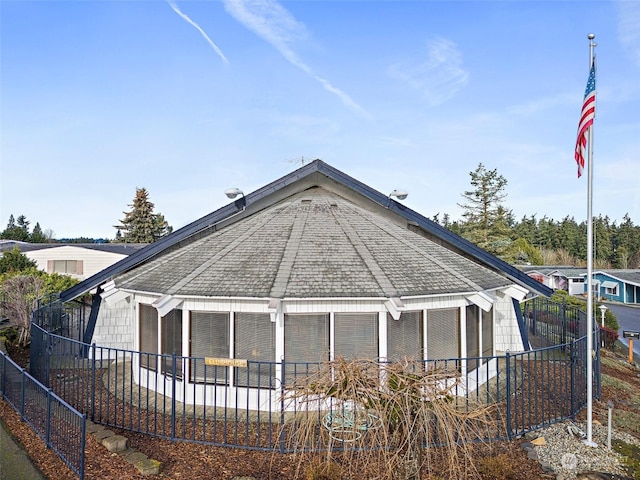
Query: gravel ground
[[567, 454]]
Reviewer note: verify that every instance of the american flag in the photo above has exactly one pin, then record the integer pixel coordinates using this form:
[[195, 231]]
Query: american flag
[[586, 118]]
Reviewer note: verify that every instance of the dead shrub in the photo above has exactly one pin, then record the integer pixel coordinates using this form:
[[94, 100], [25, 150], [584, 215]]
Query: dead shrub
[[387, 414]]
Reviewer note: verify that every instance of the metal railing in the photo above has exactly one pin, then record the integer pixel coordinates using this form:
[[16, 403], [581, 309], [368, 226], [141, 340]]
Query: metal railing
[[61, 426], [183, 398]]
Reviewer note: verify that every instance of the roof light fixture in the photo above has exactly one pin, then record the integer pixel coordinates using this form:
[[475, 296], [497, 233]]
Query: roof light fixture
[[399, 194], [233, 192]]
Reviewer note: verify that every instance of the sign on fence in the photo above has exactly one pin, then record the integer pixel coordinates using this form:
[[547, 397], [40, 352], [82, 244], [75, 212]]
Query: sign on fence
[[225, 362]]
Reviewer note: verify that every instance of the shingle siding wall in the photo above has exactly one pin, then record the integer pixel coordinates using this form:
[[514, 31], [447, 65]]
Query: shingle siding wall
[[507, 332], [115, 326]]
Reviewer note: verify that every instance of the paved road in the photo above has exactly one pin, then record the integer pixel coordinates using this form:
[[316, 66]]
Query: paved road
[[629, 319], [15, 464]]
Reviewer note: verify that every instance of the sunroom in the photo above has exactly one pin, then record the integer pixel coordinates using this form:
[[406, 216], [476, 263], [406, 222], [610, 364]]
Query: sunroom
[[312, 267]]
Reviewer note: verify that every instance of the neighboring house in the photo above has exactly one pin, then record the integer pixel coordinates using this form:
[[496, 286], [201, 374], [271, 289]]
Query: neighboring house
[[78, 260], [569, 279], [617, 285], [313, 266]]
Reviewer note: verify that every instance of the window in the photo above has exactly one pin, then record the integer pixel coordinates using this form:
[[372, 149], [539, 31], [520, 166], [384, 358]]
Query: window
[[405, 336], [356, 335], [443, 334], [306, 341], [209, 337], [171, 340], [487, 334], [610, 288], [473, 337], [148, 336], [254, 337], [66, 267]]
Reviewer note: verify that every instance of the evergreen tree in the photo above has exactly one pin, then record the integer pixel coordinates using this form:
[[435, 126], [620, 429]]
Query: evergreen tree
[[37, 235], [141, 224], [486, 221], [16, 231]]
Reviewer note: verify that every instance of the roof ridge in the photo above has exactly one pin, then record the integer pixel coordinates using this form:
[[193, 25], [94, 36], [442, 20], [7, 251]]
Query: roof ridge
[[285, 266], [367, 257]]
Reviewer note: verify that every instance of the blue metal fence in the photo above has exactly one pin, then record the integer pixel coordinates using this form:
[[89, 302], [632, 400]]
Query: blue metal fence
[[61, 426], [183, 398]]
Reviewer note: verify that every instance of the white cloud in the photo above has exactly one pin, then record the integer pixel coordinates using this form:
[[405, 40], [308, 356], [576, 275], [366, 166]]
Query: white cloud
[[274, 24], [197, 27], [439, 77], [629, 26]]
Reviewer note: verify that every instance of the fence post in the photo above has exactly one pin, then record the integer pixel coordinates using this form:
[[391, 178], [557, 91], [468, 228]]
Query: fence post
[[93, 381], [508, 394], [47, 359], [83, 441], [572, 388], [173, 395], [282, 377], [23, 394], [48, 434]]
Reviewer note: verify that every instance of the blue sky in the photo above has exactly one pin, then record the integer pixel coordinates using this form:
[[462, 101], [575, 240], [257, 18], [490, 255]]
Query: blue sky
[[188, 98]]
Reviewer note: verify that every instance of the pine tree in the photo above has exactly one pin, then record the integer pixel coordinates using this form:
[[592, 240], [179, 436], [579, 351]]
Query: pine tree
[[486, 221], [17, 231], [141, 224], [37, 235]]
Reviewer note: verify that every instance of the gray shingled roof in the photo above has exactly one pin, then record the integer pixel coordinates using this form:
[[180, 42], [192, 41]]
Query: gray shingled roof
[[629, 276], [312, 244]]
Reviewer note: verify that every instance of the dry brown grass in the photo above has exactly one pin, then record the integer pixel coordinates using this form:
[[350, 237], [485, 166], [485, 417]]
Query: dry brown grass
[[384, 416]]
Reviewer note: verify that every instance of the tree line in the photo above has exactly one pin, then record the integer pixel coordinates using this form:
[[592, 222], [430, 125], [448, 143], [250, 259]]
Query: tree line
[[487, 222]]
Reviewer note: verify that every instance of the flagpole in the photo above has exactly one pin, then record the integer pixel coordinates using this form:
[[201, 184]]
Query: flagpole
[[589, 440]]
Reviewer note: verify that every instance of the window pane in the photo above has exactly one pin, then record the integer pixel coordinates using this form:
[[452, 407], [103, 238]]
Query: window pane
[[209, 337], [172, 341], [71, 266], [255, 341], [306, 339], [443, 334], [404, 336], [148, 335], [356, 335], [59, 266], [473, 337], [487, 333]]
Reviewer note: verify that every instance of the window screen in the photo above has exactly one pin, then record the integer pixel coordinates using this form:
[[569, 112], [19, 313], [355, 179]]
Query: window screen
[[405, 336], [473, 335], [209, 337], [443, 333], [171, 339], [487, 333], [306, 339], [356, 335], [148, 336], [255, 342]]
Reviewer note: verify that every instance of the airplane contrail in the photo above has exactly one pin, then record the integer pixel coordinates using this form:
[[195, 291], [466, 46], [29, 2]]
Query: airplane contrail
[[197, 27], [273, 23]]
